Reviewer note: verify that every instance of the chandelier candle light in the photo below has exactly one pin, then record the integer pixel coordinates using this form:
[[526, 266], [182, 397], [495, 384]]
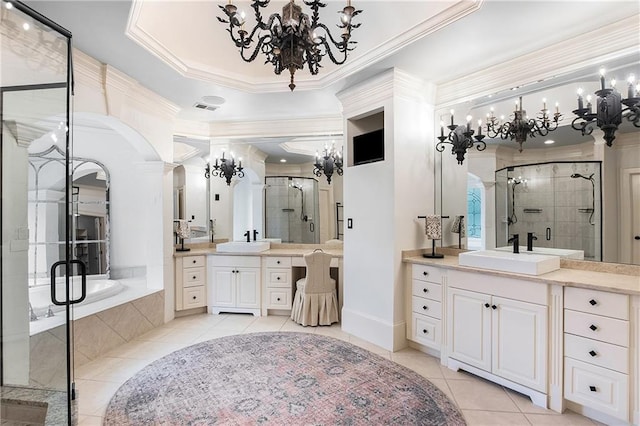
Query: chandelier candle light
[[292, 39], [330, 161], [225, 169], [609, 110], [461, 138], [522, 126]]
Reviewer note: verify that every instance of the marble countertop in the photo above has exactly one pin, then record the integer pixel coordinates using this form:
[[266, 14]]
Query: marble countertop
[[568, 277], [293, 250]]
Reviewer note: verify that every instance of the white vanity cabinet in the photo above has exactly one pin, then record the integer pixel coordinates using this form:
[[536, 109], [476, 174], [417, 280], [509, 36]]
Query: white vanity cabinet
[[234, 284], [425, 324], [190, 282], [277, 283], [497, 329], [596, 351]]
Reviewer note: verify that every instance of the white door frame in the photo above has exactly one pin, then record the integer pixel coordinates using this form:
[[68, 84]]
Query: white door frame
[[626, 218]]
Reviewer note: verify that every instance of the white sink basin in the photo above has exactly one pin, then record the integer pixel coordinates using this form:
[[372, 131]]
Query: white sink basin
[[521, 263], [243, 247], [565, 253]]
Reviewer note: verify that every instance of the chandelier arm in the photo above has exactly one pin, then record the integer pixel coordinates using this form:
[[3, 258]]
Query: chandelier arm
[[315, 5], [342, 45], [583, 126], [634, 115], [262, 41]]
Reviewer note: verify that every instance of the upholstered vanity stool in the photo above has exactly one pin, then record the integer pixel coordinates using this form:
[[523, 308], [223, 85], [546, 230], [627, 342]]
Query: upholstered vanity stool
[[316, 302]]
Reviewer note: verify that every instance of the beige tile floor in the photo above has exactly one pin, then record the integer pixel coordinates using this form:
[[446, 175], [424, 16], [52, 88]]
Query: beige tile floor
[[481, 402]]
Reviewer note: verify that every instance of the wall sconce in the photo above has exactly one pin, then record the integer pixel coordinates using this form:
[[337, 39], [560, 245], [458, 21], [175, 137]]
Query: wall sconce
[[609, 110], [330, 161], [461, 138], [225, 169], [522, 126]]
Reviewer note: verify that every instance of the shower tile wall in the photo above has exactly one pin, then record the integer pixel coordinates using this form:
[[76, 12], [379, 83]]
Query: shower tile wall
[[283, 209], [551, 199]]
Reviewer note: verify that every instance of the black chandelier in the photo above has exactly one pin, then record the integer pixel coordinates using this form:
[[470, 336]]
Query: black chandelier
[[461, 138], [609, 109], [330, 162], [522, 126], [292, 39], [225, 169]]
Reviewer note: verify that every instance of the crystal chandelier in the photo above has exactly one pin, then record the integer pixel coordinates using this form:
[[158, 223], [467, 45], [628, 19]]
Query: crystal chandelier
[[461, 138], [522, 126], [609, 109], [226, 169], [330, 161], [292, 39]]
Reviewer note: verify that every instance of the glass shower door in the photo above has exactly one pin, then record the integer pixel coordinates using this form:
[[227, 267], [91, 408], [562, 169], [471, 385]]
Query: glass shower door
[[36, 363]]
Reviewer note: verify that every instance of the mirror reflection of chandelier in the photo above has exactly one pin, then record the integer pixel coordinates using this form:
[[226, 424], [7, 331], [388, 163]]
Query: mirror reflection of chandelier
[[609, 109], [292, 39], [521, 126], [328, 163], [461, 138], [225, 168]]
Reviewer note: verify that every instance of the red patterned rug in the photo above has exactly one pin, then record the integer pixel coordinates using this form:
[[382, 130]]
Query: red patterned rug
[[278, 379]]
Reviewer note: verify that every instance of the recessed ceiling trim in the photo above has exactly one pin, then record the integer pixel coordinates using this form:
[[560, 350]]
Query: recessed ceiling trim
[[613, 41], [305, 81], [327, 125]]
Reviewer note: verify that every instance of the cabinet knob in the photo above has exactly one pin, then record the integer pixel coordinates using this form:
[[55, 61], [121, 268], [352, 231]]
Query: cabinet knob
[[593, 327], [593, 388], [425, 273], [593, 302], [278, 299], [194, 261], [426, 308], [194, 297], [278, 278], [425, 290], [494, 307], [425, 331], [278, 262], [194, 277], [486, 305], [593, 353]]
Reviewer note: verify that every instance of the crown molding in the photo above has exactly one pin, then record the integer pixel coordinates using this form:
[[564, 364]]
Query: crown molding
[[192, 129], [613, 41], [327, 125], [87, 70], [304, 82], [367, 96]]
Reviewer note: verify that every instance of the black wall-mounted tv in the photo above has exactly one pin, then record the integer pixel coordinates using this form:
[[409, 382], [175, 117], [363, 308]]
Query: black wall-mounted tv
[[368, 147]]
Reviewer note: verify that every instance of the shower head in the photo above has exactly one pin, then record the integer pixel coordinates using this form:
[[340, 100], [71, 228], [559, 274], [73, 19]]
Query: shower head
[[578, 175], [296, 186]]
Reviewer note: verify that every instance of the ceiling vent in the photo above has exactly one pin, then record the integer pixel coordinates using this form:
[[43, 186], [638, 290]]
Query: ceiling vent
[[201, 105]]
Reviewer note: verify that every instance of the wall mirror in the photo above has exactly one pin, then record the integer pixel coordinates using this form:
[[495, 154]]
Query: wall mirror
[[571, 191]]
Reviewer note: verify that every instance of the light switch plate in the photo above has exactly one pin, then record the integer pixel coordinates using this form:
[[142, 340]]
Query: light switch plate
[[349, 223]]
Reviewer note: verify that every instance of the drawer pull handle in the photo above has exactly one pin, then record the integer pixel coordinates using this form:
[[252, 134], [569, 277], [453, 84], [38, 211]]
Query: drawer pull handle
[[593, 302], [425, 290], [593, 327], [426, 308], [593, 388], [494, 307], [425, 273], [425, 331], [593, 353], [486, 305]]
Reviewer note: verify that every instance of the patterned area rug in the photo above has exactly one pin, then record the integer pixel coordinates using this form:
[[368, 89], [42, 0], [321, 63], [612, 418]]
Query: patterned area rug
[[278, 378]]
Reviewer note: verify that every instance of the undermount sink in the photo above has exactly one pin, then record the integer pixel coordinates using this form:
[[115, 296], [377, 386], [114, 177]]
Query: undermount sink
[[565, 253], [521, 263], [243, 247]]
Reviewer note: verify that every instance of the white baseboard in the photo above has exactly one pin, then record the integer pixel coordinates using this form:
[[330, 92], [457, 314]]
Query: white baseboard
[[595, 415], [391, 337]]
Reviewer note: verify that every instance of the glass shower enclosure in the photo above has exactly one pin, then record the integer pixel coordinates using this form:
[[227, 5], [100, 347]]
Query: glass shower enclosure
[[292, 209], [560, 202]]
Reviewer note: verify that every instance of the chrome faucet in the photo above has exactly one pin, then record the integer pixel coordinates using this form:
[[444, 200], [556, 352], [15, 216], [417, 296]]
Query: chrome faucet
[[515, 239], [530, 238], [248, 235]]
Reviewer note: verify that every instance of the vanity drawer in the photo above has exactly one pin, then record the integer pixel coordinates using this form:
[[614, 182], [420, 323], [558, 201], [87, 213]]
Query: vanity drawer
[[597, 302], [426, 330], [194, 297], [426, 307], [193, 261], [278, 298], [605, 355], [426, 273], [427, 290], [597, 327], [278, 277], [193, 276], [596, 387], [277, 262]]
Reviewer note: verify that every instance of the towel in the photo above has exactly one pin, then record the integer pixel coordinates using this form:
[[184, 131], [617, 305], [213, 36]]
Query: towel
[[433, 227], [458, 226], [183, 229]]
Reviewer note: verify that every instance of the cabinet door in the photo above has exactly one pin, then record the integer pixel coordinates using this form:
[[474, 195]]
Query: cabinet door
[[224, 291], [248, 290], [470, 327], [519, 342]]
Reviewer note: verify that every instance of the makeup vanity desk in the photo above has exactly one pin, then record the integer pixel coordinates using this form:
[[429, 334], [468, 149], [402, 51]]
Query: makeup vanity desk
[[260, 283]]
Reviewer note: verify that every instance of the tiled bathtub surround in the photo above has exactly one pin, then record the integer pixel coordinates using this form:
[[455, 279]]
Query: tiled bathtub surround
[[95, 335]]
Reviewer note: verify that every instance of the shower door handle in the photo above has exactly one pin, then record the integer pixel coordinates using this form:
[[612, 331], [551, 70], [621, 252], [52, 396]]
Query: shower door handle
[[83, 275], [312, 227], [548, 234]]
